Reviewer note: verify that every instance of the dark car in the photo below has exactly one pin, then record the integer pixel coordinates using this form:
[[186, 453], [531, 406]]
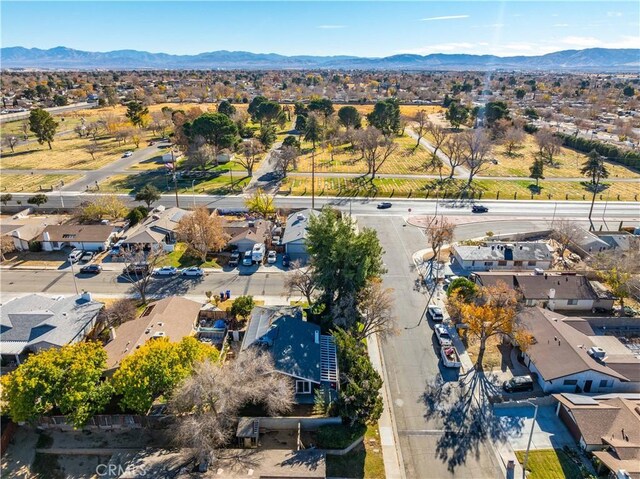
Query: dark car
[[286, 261], [479, 209], [91, 269], [235, 258], [384, 205], [518, 383], [136, 269]]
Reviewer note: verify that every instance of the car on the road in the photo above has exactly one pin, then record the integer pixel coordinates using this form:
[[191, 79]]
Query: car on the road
[[127, 154], [136, 269], [165, 271], [75, 255], [518, 383], [442, 333], [247, 259], [286, 261], [91, 269], [479, 209], [384, 205], [434, 313], [235, 258], [193, 271], [87, 256], [272, 257]]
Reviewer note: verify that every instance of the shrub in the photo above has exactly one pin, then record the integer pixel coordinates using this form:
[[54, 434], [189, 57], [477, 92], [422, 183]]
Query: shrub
[[339, 436]]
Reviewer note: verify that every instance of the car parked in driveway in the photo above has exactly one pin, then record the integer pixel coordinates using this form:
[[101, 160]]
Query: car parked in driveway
[[235, 258], [434, 313], [442, 333], [75, 255], [272, 257], [247, 259], [165, 271], [91, 269], [87, 256], [193, 271], [518, 383]]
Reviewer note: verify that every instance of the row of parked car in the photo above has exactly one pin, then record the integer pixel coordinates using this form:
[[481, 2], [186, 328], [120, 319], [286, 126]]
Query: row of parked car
[[257, 256]]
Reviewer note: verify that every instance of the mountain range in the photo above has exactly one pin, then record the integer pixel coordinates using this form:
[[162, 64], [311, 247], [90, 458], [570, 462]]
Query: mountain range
[[62, 58]]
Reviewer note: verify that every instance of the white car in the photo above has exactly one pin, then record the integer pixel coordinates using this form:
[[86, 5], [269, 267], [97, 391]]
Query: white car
[[165, 271], [444, 338], [272, 257], [193, 271], [127, 154], [75, 255]]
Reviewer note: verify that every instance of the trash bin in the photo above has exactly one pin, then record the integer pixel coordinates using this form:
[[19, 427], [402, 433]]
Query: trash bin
[[228, 294]]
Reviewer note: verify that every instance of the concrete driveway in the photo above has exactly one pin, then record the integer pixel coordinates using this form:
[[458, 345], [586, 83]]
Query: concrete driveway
[[548, 432]]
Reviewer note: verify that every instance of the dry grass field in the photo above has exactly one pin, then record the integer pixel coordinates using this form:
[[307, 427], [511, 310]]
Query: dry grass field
[[33, 183]]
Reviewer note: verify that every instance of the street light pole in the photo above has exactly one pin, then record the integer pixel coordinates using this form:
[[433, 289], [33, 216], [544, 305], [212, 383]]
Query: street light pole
[[554, 214], [73, 274], [193, 192], [313, 179], [526, 455]]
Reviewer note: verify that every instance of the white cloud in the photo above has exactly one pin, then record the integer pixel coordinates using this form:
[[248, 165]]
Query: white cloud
[[560, 25], [584, 42], [331, 27], [624, 41], [454, 47], [446, 17], [614, 14]]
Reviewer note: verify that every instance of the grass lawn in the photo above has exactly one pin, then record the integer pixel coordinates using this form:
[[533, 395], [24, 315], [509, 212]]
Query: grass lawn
[[363, 462], [549, 464], [179, 258], [29, 183]]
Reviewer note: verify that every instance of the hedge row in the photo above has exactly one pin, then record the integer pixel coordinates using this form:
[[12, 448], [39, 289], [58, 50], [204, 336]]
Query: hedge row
[[612, 152]]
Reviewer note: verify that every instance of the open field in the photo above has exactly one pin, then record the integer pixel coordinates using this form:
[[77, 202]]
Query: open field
[[549, 464], [35, 182], [481, 189]]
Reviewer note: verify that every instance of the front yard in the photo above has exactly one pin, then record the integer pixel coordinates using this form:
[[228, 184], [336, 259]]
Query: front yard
[[365, 461], [550, 464], [179, 258]]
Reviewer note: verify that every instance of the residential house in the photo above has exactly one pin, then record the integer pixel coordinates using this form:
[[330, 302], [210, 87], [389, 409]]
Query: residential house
[[607, 425], [297, 347], [86, 237], [156, 231], [36, 322], [556, 291], [245, 234], [173, 317], [503, 256], [567, 356], [24, 235], [295, 234]]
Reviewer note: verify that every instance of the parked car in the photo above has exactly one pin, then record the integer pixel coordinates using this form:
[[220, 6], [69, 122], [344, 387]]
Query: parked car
[[450, 357], [272, 257], [165, 271], [91, 269], [448, 280], [479, 209], [75, 255], [247, 259], [434, 313], [87, 256], [193, 271], [518, 383], [235, 258], [627, 311], [136, 269], [286, 261], [384, 205], [443, 335], [127, 154]]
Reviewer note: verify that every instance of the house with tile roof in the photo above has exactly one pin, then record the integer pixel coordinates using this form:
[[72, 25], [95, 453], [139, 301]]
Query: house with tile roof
[[567, 356]]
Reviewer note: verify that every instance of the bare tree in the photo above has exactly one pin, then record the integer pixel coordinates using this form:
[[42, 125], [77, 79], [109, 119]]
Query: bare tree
[[565, 232], [6, 246], [202, 232], [92, 148], [286, 159], [93, 130], [251, 150], [455, 152], [439, 136], [11, 141], [511, 139], [619, 270], [139, 266], [439, 232], [376, 149], [421, 121], [477, 146], [25, 129], [301, 280], [375, 304], [207, 403], [548, 145], [120, 311], [200, 154]]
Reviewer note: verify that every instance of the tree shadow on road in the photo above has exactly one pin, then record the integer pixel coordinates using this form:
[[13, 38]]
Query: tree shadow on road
[[467, 419]]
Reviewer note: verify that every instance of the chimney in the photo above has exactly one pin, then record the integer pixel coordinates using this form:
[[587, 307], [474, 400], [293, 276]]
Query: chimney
[[86, 296], [317, 336], [45, 236], [112, 333]]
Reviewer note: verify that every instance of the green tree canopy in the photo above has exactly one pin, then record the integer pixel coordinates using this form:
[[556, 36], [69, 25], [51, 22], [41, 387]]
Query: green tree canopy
[[312, 130], [42, 124], [149, 194], [467, 288], [537, 169], [218, 130], [253, 106], [67, 379], [136, 113], [494, 111], [594, 167], [226, 108], [242, 306], [349, 117], [38, 200], [301, 123], [324, 106], [457, 114], [155, 369], [270, 112], [386, 116]]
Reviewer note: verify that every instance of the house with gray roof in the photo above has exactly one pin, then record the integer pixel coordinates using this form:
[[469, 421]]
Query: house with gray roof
[[36, 322], [295, 234], [503, 256], [566, 355], [156, 231], [297, 348]]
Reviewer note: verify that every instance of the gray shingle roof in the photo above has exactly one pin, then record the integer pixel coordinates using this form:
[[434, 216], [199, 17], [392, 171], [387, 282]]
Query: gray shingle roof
[[36, 319], [297, 224], [524, 251], [535, 286]]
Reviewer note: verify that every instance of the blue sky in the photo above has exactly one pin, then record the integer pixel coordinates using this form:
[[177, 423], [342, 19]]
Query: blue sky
[[324, 28]]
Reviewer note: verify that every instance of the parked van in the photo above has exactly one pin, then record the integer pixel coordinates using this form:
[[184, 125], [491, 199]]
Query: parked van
[[518, 383], [247, 259], [258, 252], [75, 255]]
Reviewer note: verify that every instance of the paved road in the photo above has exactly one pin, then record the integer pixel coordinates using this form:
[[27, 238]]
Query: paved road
[[460, 172], [411, 361]]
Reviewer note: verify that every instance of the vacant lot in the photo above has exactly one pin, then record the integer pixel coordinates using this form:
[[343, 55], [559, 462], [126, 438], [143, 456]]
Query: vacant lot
[[34, 182]]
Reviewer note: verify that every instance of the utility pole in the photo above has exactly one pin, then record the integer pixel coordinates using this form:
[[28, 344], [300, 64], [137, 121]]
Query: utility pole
[[175, 178], [313, 179]]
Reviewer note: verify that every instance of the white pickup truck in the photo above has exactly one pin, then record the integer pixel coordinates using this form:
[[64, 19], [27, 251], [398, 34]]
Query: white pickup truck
[[450, 357]]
